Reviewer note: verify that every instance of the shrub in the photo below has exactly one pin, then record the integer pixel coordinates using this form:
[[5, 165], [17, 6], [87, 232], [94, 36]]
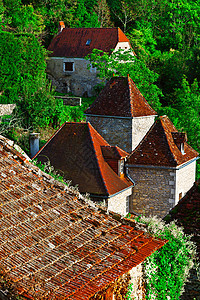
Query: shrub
[[167, 269]]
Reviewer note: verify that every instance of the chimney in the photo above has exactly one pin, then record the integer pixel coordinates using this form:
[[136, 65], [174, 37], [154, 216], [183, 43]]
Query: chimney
[[61, 26], [34, 143]]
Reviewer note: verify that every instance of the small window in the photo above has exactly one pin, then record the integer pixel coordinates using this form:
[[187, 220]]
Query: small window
[[121, 167], [182, 148], [180, 196], [88, 42], [127, 205], [68, 66]]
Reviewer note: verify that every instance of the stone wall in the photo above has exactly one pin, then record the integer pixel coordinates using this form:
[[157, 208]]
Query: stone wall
[[185, 178], [138, 292], [140, 127], [116, 131], [154, 191], [80, 81], [120, 202]]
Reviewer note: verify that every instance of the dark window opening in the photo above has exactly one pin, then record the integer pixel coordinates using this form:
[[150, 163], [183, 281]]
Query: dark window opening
[[69, 66], [88, 42]]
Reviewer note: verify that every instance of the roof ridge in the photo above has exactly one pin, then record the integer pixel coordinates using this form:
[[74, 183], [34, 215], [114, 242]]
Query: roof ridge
[[96, 157], [130, 94], [143, 98], [168, 142]]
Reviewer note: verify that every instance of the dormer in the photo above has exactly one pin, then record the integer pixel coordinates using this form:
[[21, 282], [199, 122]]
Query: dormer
[[115, 158], [179, 139]]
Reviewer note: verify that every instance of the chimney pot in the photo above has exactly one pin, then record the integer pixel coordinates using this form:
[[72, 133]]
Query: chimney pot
[[61, 26]]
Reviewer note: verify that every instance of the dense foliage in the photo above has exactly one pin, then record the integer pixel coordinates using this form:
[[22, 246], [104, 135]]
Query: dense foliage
[[164, 35], [167, 269]]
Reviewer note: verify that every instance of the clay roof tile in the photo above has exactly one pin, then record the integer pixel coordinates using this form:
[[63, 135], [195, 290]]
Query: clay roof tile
[[53, 243], [120, 97], [159, 147]]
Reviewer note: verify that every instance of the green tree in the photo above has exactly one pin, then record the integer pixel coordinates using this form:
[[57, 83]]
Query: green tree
[[23, 79], [123, 63], [21, 18]]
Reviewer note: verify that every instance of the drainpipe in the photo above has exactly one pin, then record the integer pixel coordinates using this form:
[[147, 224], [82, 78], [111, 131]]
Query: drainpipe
[[34, 143], [126, 171]]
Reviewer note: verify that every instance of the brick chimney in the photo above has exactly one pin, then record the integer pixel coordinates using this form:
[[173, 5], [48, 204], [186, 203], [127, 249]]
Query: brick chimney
[[61, 26]]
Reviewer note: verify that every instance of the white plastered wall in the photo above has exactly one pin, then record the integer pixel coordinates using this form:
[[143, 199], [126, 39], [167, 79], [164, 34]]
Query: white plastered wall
[[140, 126], [118, 203], [185, 178]]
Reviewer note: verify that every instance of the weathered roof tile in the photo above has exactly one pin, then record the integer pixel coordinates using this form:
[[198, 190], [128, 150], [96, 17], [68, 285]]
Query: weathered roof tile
[[78, 150], [158, 147], [71, 42], [54, 243], [120, 97]]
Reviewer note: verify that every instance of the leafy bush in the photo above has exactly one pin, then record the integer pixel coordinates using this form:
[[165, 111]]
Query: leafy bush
[[168, 268]]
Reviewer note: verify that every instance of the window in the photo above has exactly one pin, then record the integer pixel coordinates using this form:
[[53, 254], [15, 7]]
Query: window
[[68, 66], [127, 205], [88, 42], [182, 148], [180, 196], [120, 167]]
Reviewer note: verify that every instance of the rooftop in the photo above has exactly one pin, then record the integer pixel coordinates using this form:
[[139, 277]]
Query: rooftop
[[77, 150], [120, 97], [79, 42], [159, 148], [54, 243]]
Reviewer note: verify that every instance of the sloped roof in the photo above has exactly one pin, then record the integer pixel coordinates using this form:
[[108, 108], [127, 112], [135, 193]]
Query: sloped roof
[[158, 147], [187, 213], [71, 42], [53, 243], [120, 97], [76, 151]]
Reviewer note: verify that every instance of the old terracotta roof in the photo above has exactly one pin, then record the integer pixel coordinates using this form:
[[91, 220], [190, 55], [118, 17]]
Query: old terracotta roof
[[158, 147], [187, 214], [76, 151], [113, 152], [71, 42], [120, 97], [53, 242]]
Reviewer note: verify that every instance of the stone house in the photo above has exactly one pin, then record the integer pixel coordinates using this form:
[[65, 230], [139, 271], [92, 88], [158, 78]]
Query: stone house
[[80, 154], [56, 244], [163, 167], [161, 164], [67, 66], [121, 114]]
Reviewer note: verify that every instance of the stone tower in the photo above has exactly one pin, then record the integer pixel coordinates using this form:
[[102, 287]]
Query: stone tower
[[121, 114]]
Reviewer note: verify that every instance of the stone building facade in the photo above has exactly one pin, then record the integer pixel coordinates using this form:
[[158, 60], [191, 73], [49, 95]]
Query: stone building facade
[[121, 114], [80, 81], [161, 172], [67, 67]]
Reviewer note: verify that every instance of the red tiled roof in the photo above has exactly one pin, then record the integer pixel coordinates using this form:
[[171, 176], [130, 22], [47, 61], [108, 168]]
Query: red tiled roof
[[53, 243], [158, 147], [71, 42], [120, 97], [76, 151], [187, 214], [113, 152]]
